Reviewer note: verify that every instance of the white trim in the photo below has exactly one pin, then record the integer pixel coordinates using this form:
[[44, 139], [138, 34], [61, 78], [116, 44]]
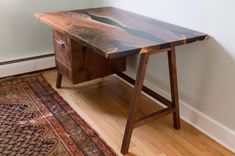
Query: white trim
[[27, 66], [39, 54], [215, 130], [212, 128]]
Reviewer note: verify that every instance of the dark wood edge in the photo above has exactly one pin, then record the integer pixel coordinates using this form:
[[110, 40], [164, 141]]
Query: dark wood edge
[[146, 90]]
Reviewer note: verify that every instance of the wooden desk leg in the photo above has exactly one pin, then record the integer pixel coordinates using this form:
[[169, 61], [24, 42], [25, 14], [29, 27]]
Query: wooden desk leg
[[174, 87], [134, 102], [58, 80]]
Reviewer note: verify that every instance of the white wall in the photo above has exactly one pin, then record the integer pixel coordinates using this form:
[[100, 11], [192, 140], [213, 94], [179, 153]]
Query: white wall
[[21, 35], [206, 70]]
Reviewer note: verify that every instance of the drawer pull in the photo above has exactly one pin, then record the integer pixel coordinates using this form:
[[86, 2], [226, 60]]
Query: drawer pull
[[60, 42]]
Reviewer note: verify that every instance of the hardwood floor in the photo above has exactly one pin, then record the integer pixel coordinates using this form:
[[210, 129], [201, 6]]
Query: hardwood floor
[[104, 104]]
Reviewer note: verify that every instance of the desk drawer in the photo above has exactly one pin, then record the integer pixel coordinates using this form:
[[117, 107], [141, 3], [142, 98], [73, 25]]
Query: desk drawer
[[81, 64], [63, 54]]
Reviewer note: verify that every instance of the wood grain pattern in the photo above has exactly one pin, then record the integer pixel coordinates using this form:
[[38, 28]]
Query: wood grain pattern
[[114, 32]]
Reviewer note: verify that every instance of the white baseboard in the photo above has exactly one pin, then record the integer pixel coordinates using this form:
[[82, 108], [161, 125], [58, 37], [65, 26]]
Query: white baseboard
[[26, 66], [215, 130]]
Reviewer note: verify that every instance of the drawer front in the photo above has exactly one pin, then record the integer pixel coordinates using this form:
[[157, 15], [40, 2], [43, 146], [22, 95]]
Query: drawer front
[[63, 54]]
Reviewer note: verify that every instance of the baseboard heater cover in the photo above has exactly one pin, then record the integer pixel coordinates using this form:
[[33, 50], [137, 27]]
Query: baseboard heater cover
[[26, 65]]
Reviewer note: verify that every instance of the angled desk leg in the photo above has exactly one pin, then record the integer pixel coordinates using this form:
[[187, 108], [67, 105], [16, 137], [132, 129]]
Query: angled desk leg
[[172, 106], [174, 87], [134, 102]]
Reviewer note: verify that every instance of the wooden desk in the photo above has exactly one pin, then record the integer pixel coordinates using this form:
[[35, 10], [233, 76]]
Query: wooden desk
[[94, 43]]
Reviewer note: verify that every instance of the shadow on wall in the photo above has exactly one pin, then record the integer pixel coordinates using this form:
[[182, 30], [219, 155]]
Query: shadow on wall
[[205, 74]]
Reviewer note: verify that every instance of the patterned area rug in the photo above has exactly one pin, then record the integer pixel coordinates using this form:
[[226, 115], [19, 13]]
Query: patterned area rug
[[35, 120]]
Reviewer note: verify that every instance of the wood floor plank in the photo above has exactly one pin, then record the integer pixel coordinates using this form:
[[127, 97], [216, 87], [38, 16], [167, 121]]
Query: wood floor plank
[[104, 104]]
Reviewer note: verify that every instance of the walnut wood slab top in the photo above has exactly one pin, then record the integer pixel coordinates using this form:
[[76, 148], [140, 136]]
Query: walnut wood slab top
[[115, 33]]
